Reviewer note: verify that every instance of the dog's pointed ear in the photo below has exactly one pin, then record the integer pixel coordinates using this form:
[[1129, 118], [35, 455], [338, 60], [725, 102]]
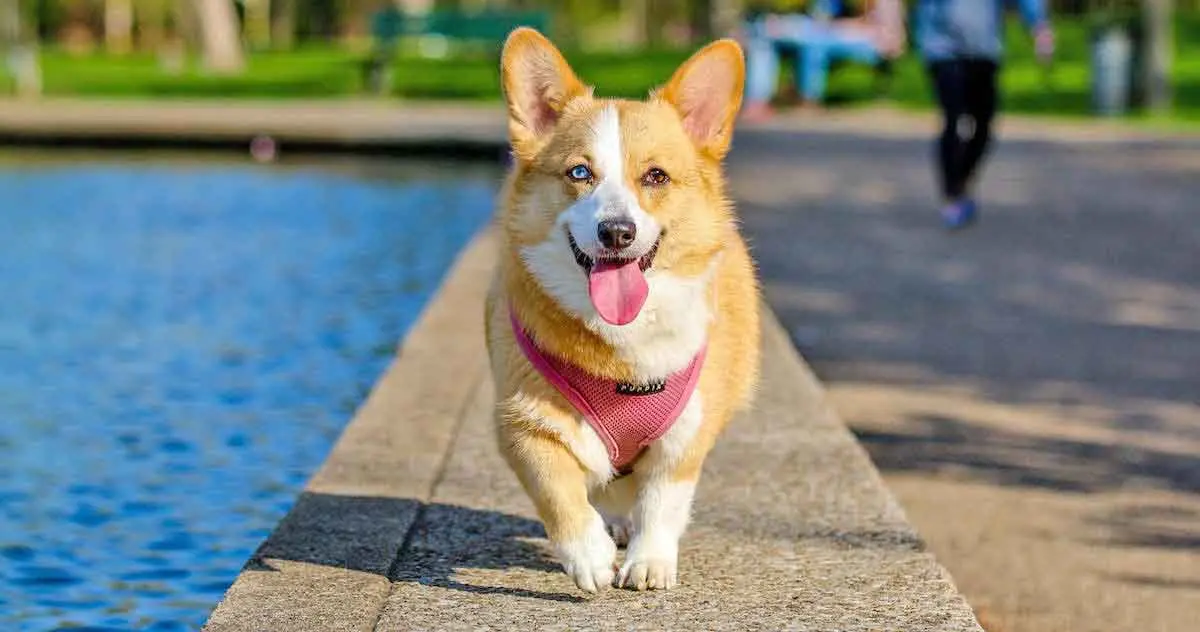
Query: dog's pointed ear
[[707, 92], [538, 83]]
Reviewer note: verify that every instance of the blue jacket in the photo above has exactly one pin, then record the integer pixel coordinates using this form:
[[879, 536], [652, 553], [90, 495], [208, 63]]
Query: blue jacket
[[950, 29]]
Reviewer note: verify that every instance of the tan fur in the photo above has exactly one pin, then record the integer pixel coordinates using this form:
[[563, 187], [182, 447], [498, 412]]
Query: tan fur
[[550, 111]]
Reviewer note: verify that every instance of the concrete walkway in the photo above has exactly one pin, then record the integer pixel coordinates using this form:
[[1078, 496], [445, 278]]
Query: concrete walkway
[[1030, 388], [415, 523]]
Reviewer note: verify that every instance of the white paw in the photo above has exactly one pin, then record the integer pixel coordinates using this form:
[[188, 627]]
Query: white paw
[[649, 566], [590, 560], [621, 530]]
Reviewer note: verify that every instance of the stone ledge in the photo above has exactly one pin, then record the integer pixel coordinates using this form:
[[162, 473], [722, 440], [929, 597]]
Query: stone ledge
[[463, 129], [361, 126]]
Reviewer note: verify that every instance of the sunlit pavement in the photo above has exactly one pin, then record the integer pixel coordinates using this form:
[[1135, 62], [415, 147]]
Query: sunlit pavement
[[1028, 387]]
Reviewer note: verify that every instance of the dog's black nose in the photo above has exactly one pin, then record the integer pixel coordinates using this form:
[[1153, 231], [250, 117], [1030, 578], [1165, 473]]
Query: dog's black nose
[[617, 234]]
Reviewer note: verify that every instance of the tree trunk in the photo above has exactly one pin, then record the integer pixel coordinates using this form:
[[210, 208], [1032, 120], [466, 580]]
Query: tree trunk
[[283, 24], [118, 26], [10, 24], [726, 15], [639, 12], [151, 17], [220, 36], [183, 16], [657, 15], [18, 50], [258, 23], [415, 7], [701, 19], [1159, 46]]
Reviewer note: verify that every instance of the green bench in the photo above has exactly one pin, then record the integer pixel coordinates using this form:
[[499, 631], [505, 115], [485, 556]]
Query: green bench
[[486, 29]]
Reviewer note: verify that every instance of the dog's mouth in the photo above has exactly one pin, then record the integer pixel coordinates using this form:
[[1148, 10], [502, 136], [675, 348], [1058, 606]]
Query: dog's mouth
[[616, 285], [586, 262]]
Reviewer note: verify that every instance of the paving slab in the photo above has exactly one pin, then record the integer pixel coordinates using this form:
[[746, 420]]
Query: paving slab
[[415, 523]]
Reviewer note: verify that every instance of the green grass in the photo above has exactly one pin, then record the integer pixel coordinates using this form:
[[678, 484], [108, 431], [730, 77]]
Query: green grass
[[327, 72], [305, 73]]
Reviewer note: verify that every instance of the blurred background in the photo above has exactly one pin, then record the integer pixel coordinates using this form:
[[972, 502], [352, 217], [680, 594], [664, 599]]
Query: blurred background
[[446, 49], [1028, 389]]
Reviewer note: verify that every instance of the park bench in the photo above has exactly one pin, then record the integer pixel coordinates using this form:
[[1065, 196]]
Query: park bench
[[438, 30]]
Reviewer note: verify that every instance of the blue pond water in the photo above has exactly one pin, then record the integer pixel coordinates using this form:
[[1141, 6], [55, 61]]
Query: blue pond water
[[180, 345]]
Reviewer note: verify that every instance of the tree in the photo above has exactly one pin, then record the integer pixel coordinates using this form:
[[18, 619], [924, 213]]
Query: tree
[[701, 18], [419, 7], [220, 36], [18, 51], [10, 24], [1156, 67], [118, 26], [258, 23], [151, 23], [724, 16], [639, 12], [711, 19], [283, 24]]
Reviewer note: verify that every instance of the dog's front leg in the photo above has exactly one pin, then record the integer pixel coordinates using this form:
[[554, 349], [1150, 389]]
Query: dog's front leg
[[666, 478], [557, 483], [660, 517]]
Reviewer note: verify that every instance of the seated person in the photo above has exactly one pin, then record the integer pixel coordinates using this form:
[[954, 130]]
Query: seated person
[[818, 38]]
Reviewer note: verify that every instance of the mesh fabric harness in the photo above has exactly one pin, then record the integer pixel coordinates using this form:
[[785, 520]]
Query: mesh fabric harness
[[627, 417]]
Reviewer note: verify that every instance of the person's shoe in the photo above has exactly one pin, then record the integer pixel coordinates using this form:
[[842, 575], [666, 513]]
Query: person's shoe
[[959, 214]]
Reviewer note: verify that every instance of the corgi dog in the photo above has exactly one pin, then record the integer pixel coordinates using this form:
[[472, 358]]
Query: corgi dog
[[623, 319]]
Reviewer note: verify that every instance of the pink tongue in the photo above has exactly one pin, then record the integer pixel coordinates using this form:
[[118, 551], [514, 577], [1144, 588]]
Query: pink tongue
[[618, 291]]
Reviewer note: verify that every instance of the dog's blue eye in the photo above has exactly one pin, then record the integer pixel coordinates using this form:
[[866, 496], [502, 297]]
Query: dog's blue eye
[[579, 173]]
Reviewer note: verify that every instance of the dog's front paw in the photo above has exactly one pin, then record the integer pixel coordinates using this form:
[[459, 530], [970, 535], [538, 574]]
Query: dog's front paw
[[590, 560], [649, 566]]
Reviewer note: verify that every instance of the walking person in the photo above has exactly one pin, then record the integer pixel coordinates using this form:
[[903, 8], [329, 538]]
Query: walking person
[[961, 42]]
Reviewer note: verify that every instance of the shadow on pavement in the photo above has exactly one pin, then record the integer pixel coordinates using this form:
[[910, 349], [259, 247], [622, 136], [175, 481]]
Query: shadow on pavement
[[353, 532]]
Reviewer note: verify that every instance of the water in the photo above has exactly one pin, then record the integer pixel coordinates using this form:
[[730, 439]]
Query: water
[[180, 345]]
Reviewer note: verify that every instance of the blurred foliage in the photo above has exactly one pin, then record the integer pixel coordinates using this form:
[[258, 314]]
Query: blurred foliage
[[318, 66], [330, 72], [324, 71], [80, 24]]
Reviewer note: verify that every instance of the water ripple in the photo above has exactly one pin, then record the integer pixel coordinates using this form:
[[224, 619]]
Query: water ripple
[[179, 347]]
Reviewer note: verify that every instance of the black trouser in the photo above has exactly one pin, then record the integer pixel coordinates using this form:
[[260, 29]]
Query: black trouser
[[966, 89]]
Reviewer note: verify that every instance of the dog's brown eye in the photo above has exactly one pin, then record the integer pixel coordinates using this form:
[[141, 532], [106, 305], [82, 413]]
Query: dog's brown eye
[[655, 177]]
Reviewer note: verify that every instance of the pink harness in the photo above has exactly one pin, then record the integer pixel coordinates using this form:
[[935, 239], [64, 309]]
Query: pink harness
[[628, 417]]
